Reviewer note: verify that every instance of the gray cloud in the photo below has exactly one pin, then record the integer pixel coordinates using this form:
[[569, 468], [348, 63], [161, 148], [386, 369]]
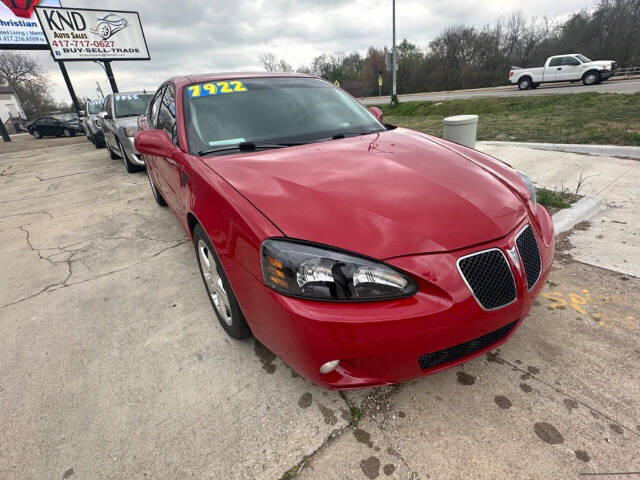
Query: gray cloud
[[203, 36]]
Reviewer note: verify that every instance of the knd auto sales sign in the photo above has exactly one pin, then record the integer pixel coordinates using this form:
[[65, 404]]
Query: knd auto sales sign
[[85, 34]]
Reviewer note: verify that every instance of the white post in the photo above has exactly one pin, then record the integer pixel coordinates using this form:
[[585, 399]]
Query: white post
[[394, 64]]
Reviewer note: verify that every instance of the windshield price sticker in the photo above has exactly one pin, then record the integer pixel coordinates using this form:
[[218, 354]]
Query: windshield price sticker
[[120, 98], [215, 88]]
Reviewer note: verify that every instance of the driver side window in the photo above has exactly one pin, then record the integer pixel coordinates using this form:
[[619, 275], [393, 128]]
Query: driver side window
[[155, 108], [107, 106], [167, 114]]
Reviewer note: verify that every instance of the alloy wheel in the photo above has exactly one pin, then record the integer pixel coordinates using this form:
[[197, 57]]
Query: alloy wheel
[[213, 282]]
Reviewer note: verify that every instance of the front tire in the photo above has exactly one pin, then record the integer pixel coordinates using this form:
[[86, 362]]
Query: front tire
[[128, 164], [37, 134], [67, 133], [112, 154], [591, 78], [524, 83], [218, 288]]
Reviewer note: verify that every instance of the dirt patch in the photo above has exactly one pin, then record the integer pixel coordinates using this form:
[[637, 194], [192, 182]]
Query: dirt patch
[[305, 400], [370, 467], [502, 401], [548, 433], [465, 378]]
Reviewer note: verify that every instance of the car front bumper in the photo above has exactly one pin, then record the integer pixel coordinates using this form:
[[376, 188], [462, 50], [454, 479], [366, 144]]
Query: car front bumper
[[132, 153], [605, 74], [381, 343]]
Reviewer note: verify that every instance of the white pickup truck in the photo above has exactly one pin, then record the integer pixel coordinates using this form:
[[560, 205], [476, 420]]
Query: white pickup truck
[[572, 67]]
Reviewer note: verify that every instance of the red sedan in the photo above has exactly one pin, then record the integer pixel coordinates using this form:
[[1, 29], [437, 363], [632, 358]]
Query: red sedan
[[360, 253]]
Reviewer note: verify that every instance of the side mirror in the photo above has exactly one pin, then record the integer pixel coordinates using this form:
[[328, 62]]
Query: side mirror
[[376, 112], [82, 113], [156, 143], [103, 115]]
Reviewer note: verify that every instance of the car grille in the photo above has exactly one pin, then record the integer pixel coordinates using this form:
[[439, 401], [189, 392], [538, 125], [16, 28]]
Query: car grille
[[489, 278], [530, 255], [447, 355]]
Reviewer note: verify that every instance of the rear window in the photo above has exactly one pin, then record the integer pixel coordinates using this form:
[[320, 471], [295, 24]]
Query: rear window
[[94, 107], [131, 104]]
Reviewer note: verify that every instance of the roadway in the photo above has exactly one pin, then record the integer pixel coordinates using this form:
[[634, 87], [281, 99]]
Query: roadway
[[611, 86]]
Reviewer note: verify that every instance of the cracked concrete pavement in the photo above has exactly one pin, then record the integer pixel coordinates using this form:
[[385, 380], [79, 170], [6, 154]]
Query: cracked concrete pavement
[[113, 366]]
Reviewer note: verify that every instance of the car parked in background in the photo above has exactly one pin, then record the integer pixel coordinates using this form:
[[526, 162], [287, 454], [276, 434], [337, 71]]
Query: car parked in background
[[119, 118], [91, 122], [55, 126], [360, 253], [563, 68]]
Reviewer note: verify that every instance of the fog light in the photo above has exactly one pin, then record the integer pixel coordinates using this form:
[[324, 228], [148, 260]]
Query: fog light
[[329, 366]]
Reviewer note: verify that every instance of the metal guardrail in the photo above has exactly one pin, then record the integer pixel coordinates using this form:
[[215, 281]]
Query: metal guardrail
[[627, 71]]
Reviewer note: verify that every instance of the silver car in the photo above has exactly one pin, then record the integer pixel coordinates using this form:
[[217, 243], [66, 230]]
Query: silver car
[[91, 122], [119, 118]]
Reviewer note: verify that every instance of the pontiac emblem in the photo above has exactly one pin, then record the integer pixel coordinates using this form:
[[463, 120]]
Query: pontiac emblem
[[514, 257], [21, 8]]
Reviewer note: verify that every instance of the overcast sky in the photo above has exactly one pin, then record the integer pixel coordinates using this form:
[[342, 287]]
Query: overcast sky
[[214, 35]]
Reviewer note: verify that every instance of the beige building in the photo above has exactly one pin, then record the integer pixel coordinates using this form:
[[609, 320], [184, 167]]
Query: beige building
[[11, 112]]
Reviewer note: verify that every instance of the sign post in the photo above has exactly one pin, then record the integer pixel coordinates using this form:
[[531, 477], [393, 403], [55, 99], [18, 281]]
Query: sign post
[[379, 85], [112, 80]]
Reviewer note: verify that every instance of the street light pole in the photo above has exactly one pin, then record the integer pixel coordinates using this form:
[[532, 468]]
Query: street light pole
[[394, 64]]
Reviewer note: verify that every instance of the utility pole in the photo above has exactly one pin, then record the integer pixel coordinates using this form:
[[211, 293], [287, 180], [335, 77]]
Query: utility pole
[[394, 61], [99, 89]]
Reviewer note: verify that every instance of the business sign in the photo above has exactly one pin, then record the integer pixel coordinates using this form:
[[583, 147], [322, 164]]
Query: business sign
[[85, 34], [19, 25]]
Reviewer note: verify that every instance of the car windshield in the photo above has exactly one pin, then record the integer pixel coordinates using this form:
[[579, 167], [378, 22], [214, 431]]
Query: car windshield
[[94, 107], [583, 59], [281, 110], [131, 104], [66, 118]]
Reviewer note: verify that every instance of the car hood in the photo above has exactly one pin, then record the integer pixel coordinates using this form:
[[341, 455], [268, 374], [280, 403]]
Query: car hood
[[599, 63], [382, 195], [127, 122]]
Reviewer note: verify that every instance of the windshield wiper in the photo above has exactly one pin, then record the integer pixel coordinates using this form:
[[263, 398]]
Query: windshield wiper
[[249, 147], [352, 134]]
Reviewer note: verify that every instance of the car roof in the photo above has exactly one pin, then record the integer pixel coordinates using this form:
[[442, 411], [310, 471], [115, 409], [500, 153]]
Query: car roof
[[119, 94], [182, 80]]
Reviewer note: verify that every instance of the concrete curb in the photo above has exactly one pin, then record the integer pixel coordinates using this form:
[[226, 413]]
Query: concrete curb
[[582, 210], [598, 150]]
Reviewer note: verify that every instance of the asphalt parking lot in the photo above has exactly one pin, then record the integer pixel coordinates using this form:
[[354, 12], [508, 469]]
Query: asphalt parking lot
[[112, 364]]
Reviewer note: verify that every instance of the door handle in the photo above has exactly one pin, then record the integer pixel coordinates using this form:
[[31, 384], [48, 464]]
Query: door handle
[[559, 68]]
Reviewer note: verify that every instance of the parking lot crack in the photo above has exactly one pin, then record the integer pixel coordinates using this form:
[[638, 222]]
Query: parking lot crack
[[66, 282]]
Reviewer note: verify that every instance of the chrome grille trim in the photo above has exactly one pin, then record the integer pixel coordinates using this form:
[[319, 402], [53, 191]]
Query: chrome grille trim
[[524, 266], [513, 280]]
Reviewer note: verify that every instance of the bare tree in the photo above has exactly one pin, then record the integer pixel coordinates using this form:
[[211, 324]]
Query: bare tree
[[22, 73], [271, 63]]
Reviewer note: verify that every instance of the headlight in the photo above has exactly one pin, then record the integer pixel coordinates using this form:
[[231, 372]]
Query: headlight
[[315, 272], [130, 132], [532, 190]]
